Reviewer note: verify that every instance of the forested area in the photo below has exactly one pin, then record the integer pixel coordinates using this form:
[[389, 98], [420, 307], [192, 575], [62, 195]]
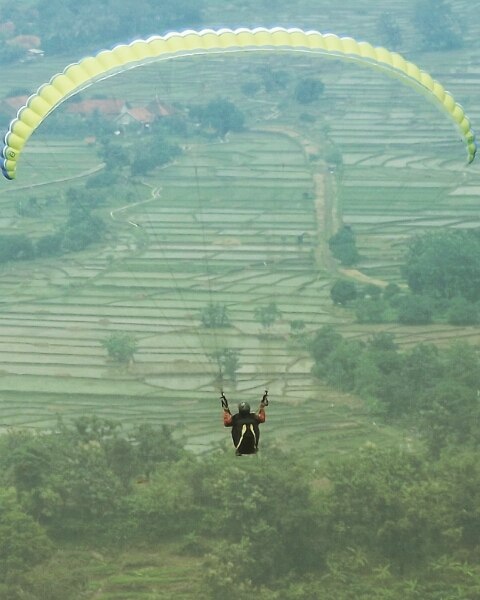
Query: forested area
[[65, 25], [434, 391], [80, 228], [441, 269], [384, 523]]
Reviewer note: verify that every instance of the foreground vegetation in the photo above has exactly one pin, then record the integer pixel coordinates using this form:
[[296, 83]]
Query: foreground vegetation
[[380, 523], [442, 271]]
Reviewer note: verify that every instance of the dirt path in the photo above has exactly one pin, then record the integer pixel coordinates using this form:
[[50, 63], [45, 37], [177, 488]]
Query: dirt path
[[328, 216], [361, 277], [154, 195]]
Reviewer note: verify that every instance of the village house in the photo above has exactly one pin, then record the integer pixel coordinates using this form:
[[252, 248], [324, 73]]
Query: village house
[[122, 113]]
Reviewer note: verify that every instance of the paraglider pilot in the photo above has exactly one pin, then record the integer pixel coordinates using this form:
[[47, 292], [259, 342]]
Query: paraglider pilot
[[244, 424]]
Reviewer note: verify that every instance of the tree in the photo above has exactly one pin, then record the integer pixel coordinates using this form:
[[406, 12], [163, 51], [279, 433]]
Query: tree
[[30, 208], [164, 508], [154, 447], [82, 227], [284, 535], [462, 365], [16, 247], [336, 359], [227, 361], [437, 24], [415, 310], [369, 379], [274, 79], [267, 315], [449, 415], [157, 152], [104, 179], [372, 291], [326, 340], [389, 31], [120, 346], [23, 542], [462, 470], [390, 291], [333, 157], [340, 367], [297, 326], [79, 234], [221, 115], [343, 246], [68, 24], [49, 245], [381, 502], [418, 371], [461, 312], [77, 477], [113, 155], [215, 315], [343, 291], [9, 52], [371, 310], [444, 264], [308, 90], [250, 88]]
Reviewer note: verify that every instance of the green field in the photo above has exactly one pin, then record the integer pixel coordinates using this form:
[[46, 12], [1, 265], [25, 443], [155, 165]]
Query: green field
[[203, 236], [221, 225]]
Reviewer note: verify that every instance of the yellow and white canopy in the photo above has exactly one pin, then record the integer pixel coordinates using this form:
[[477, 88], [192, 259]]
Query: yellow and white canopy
[[106, 63]]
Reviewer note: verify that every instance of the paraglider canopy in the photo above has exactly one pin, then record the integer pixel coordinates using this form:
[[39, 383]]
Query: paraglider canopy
[[78, 76]]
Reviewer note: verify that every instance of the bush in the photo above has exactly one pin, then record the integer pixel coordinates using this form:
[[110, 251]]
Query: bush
[[308, 90], [391, 291], [462, 312], [49, 245], [444, 265], [371, 310], [215, 315], [120, 346], [415, 310], [101, 180], [343, 246], [16, 247], [343, 292], [23, 543]]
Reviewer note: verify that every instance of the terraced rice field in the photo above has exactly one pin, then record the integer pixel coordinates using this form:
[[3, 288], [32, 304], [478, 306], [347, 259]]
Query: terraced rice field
[[220, 225]]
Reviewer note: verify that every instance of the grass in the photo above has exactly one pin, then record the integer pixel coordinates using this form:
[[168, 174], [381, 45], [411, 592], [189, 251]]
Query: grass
[[163, 572]]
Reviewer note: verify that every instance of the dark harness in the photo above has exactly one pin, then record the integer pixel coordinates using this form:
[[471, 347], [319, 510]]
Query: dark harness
[[245, 433]]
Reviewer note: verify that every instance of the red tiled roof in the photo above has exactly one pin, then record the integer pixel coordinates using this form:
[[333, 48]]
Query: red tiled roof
[[108, 107], [25, 41], [159, 109], [140, 114]]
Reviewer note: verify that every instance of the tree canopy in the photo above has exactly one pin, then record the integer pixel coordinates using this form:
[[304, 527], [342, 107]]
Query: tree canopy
[[65, 25], [362, 524], [220, 115], [343, 246], [437, 24], [445, 264]]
